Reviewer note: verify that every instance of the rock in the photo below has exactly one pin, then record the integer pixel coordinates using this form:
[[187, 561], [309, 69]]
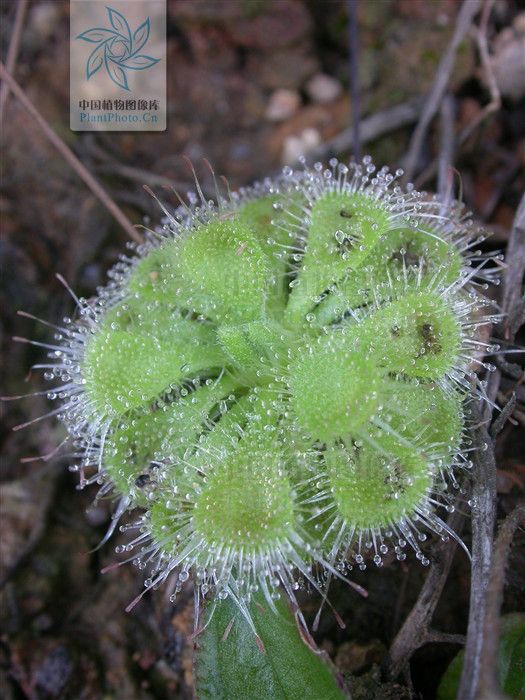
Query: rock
[[518, 24], [327, 120], [370, 687], [401, 60], [54, 673], [508, 62], [358, 658], [323, 88], [288, 68], [44, 18], [23, 506], [300, 145], [282, 105], [210, 11], [210, 47], [280, 23]]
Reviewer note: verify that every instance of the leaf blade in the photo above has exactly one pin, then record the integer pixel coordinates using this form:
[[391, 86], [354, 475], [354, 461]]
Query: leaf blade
[[231, 666], [510, 661]]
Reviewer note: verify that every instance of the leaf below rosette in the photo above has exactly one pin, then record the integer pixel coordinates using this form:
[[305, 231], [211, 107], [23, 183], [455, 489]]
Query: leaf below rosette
[[509, 662], [234, 663]]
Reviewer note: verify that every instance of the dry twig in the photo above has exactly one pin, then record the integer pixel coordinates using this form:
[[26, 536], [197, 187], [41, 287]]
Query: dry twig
[[146, 177], [416, 630], [495, 97], [371, 128], [484, 478], [464, 21], [513, 302], [488, 684], [446, 154], [353, 53], [70, 157], [503, 417], [483, 519], [493, 106], [12, 53]]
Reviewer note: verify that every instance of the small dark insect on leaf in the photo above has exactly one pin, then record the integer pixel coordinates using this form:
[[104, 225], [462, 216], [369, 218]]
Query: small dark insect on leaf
[[408, 258], [142, 480], [426, 333], [346, 214]]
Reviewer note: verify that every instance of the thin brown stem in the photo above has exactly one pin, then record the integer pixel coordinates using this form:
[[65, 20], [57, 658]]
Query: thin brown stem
[[512, 301], [12, 53], [488, 683], [464, 22], [483, 47], [484, 486], [353, 61], [433, 636], [495, 97], [371, 128], [416, 629], [70, 157], [503, 417], [446, 152], [483, 520]]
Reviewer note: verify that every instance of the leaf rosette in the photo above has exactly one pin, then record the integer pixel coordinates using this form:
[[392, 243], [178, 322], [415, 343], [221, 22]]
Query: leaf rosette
[[276, 381]]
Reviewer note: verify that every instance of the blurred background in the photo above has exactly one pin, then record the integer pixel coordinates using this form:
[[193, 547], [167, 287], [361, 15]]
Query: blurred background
[[252, 84]]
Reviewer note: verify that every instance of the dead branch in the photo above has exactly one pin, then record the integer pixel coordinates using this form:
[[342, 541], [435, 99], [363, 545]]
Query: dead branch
[[12, 54], [371, 128], [493, 106], [446, 152], [433, 636], [68, 155], [488, 683], [416, 631], [503, 417], [512, 299], [353, 60], [464, 22], [495, 97], [484, 480], [483, 519]]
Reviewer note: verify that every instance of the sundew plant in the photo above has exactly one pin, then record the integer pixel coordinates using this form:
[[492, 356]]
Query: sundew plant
[[276, 384]]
